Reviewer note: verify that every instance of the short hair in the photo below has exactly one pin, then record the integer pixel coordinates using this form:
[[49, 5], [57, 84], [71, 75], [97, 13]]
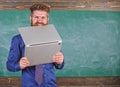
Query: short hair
[[42, 7]]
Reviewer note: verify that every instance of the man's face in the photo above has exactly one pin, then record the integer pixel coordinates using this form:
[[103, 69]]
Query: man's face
[[39, 18]]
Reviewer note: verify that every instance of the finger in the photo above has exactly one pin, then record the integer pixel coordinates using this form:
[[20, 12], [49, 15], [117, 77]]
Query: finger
[[25, 60], [55, 59], [58, 54], [24, 63]]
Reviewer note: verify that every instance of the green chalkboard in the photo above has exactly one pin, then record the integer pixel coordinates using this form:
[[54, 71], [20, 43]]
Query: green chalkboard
[[91, 40]]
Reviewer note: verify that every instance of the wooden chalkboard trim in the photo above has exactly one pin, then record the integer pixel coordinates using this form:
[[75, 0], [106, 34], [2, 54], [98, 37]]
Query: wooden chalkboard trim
[[76, 81], [113, 5], [67, 81]]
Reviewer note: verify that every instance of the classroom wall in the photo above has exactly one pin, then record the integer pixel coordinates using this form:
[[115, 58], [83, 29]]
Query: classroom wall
[[90, 40]]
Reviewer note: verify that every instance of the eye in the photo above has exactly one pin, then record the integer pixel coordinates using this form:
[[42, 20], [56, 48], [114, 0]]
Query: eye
[[36, 17], [43, 17]]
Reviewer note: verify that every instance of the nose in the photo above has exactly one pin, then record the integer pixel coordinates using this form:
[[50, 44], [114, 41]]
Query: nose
[[39, 19]]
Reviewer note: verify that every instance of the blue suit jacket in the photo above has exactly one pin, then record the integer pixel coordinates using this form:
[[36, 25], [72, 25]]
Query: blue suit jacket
[[28, 74]]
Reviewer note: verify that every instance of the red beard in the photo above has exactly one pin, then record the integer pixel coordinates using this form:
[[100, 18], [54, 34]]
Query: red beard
[[38, 24]]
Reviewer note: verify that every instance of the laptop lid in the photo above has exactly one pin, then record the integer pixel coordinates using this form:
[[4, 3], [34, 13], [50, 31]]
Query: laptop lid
[[39, 34]]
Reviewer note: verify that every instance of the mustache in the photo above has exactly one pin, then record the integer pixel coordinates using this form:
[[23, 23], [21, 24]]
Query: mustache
[[39, 24]]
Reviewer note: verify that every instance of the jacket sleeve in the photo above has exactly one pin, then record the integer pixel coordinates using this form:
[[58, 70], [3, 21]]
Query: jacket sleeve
[[59, 66], [12, 63]]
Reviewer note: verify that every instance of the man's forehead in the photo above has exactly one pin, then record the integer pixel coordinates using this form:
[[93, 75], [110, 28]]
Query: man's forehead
[[39, 12]]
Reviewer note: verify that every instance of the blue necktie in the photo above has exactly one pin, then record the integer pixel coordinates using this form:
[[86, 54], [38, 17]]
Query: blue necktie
[[39, 74]]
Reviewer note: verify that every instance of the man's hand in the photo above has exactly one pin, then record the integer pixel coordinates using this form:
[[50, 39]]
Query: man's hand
[[24, 62], [58, 58]]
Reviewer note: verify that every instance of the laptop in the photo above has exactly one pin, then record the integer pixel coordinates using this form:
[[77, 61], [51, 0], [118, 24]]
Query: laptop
[[41, 43]]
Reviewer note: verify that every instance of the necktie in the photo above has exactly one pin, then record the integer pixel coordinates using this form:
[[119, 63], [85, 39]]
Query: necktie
[[39, 74]]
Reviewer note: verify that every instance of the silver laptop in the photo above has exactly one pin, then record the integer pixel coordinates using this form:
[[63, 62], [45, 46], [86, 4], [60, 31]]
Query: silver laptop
[[41, 43]]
